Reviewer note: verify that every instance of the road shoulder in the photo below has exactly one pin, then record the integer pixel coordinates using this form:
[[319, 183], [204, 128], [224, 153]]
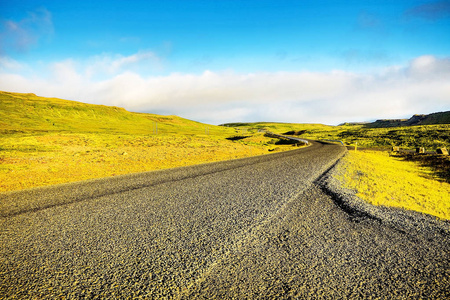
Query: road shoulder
[[400, 219]]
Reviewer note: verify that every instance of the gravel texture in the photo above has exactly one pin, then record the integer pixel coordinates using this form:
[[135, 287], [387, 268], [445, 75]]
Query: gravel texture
[[265, 227]]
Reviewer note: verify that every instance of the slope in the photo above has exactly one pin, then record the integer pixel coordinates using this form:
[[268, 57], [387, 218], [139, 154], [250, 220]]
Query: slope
[[27, 113], [46, 141]]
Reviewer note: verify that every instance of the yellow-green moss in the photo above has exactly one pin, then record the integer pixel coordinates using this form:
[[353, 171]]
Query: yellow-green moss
[[390, 181]]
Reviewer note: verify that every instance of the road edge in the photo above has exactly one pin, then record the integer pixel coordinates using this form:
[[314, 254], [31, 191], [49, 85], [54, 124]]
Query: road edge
[[401, 219], [34, 199]]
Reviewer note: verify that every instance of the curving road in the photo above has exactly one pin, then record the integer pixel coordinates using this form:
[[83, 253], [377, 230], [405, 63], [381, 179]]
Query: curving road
[[252, 228]]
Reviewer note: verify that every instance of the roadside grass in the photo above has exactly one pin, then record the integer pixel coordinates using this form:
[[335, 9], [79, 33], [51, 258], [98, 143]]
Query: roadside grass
[[385, 180], [439, 164], [46, 141], [29, 161]]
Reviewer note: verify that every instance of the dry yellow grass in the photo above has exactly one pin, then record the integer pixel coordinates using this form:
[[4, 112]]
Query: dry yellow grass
[[389, 181], [36, 160]]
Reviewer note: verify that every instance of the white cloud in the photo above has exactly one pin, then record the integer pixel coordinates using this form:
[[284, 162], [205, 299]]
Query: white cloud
[[422, 86], [9, 64], [23, 34], [108, 64], [65, 72], [429, 66]]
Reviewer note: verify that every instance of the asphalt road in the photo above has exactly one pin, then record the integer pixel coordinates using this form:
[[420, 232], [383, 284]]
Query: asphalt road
[[251, 228]]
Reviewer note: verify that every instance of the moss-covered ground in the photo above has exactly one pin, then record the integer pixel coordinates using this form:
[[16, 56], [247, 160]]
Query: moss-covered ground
[[394, 181]]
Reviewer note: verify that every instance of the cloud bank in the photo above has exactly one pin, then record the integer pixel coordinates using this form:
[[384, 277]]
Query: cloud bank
[[422, 86]]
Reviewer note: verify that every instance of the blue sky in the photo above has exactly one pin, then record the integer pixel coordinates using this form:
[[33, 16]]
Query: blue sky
[[224, 61]]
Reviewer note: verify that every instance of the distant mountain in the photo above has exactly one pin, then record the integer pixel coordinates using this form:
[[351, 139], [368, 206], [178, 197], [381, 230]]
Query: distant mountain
[[431, 119]]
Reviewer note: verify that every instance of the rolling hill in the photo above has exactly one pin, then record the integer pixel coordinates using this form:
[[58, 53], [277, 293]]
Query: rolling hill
[[47, 141], [30, 113]]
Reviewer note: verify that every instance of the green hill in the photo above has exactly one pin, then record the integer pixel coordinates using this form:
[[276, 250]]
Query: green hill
[[26, 113], [436, 118]]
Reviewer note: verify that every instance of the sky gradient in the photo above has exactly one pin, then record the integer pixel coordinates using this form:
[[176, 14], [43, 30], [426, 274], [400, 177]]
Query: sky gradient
[[227, 60]]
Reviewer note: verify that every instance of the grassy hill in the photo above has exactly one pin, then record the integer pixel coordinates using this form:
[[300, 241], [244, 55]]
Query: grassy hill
[[436, 118], [48, 141], [25, 113]]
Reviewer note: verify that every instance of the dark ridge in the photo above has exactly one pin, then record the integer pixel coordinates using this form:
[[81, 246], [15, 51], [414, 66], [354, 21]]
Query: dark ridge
[[236, 138], [415, 120], [293, 132]]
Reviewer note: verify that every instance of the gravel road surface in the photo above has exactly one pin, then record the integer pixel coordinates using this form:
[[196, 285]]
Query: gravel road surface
[[262, 227]]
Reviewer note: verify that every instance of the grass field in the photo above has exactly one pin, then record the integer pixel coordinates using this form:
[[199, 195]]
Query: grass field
[[48, 141], [385, 180]]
